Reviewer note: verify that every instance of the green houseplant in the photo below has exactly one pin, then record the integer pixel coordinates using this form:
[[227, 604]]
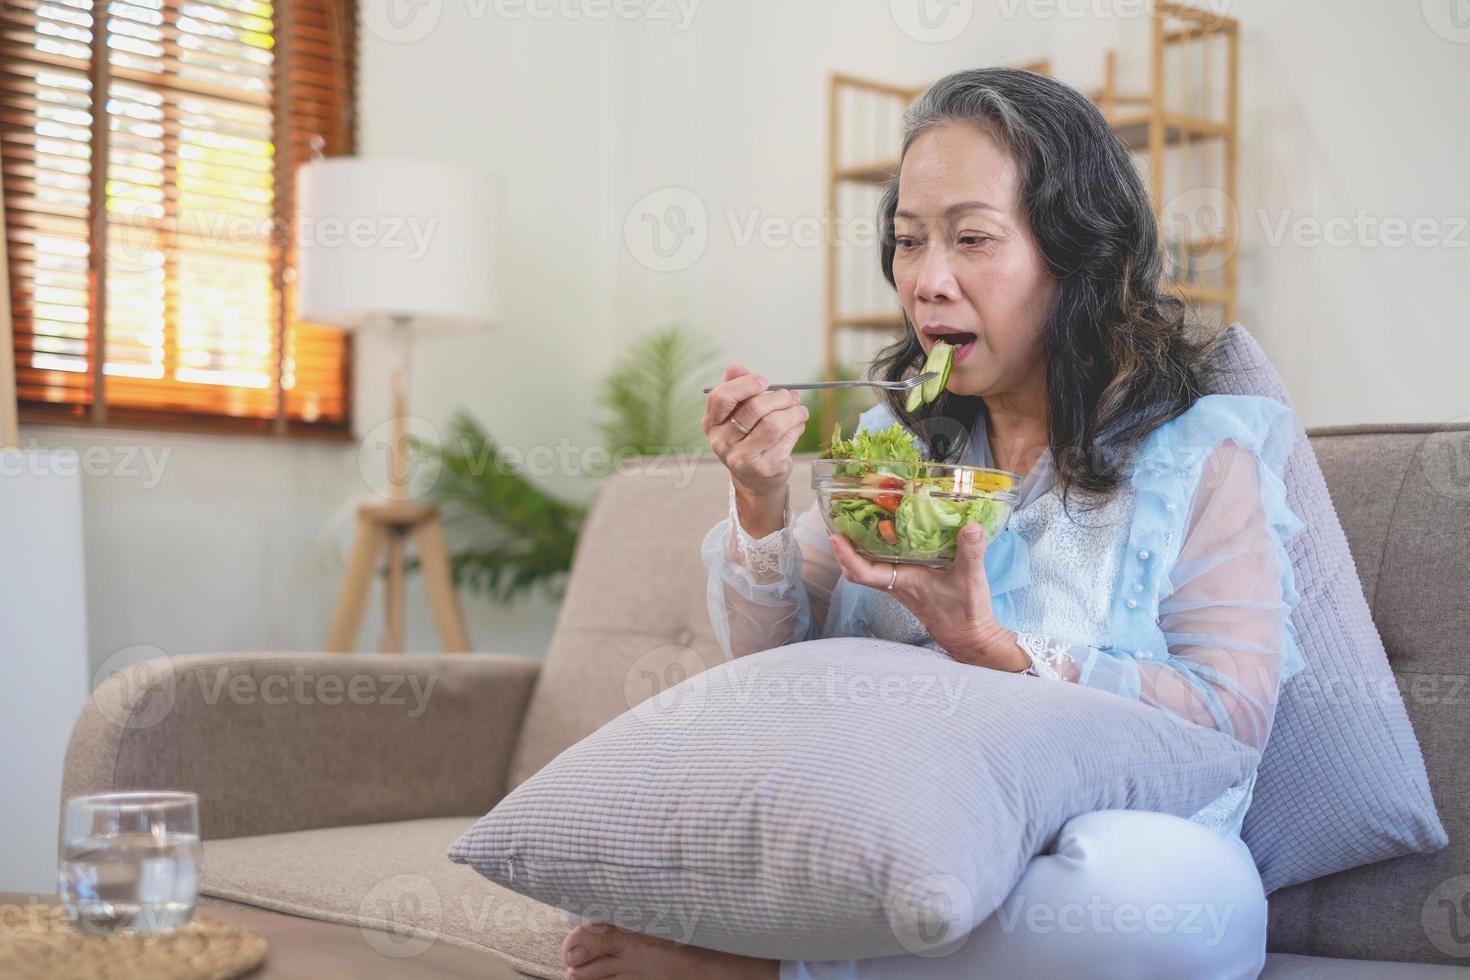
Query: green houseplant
[[508, 534], [652, 401]]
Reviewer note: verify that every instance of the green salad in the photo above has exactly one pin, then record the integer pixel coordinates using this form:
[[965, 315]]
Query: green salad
[[890, 504]]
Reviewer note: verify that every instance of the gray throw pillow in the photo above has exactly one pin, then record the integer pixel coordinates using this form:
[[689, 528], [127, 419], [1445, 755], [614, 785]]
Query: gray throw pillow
[[1342, 780], [838, 798]]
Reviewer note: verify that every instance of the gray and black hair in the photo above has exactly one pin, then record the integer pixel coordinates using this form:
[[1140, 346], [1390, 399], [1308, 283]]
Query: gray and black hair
[[1122, 356]]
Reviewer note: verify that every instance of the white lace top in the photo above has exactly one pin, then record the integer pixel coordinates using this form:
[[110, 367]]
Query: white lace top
[[1216, 594]]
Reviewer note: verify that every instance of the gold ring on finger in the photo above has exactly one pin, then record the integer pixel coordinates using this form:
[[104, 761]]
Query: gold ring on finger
[[736, 422]]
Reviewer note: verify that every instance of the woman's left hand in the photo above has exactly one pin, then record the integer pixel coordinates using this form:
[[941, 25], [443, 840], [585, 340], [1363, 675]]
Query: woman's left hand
[[952, 603]]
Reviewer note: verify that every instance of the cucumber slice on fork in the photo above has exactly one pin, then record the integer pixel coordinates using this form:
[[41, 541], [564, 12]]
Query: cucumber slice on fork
[[941, 356]]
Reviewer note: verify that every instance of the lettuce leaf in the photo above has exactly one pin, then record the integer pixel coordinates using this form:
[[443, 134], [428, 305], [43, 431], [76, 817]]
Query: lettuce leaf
[[928, 525], [989, 514], [893, 443], [927, 522], [857, 520]]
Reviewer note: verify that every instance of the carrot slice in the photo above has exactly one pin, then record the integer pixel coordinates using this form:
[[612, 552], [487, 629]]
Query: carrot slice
[[888, 532]]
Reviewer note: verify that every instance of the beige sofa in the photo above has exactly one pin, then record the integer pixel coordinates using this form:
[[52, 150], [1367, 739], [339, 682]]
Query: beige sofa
[[322, 802]]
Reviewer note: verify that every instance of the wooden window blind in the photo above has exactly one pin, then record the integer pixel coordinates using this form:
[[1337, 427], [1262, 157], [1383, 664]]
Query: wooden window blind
[[149, 148]]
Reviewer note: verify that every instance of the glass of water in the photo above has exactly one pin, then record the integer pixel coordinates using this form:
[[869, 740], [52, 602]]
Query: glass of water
[[130, 861]]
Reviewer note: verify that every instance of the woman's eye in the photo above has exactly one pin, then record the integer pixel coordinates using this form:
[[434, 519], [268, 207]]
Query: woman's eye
[[905, 244], [969, 241]]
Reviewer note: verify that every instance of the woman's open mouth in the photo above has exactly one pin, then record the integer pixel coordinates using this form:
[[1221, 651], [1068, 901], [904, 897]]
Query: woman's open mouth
[[963, 341]]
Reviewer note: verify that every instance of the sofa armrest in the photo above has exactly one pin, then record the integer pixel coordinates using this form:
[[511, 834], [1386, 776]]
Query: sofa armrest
[[275, 742]]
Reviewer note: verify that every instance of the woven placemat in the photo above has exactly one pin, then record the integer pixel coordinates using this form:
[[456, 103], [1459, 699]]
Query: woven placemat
[[38, 943]]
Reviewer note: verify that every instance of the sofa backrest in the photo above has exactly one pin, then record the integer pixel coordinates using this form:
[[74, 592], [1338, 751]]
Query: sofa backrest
[[634, 619], [634, 622], [1402, 494]]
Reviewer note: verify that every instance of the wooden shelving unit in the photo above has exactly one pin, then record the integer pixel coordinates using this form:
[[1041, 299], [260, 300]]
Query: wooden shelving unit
[[1182, 131], [1194, 58], [864, 127]]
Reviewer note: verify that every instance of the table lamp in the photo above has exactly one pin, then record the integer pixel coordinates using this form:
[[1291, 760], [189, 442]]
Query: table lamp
[[400, 246]]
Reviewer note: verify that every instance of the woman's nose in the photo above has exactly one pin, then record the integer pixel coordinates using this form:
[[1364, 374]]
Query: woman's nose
[[936, 278]]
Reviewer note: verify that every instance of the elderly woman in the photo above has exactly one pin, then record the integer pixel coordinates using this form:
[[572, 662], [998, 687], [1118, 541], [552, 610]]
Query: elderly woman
[[1146, 555]]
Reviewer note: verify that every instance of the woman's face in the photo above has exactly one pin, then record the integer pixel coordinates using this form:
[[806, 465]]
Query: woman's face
[[965, 262]]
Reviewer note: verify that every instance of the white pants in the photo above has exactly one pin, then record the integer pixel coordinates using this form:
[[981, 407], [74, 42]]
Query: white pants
[[1124, 894]]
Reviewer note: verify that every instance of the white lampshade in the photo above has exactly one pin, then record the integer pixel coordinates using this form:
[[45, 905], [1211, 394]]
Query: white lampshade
[[379, 240]]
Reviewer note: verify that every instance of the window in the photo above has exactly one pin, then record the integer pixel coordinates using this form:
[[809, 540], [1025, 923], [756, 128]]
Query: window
[[148, 155]]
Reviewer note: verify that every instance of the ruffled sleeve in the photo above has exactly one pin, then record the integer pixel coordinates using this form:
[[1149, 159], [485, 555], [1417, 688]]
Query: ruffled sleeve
[[1200, 624], [770, 591]]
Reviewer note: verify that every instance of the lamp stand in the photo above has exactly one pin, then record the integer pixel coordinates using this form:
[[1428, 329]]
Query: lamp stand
[[386, 526]]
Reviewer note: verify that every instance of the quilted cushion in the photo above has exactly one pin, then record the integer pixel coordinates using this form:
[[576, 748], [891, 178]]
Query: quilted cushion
[[831, 799], [1342, 781]]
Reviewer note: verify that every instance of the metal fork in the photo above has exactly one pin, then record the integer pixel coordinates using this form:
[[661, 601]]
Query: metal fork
[[904, 385]]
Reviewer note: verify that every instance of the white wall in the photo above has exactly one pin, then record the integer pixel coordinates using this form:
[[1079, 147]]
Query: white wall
[[198, 544], [1353, 128], [43, 659], [1345, 106], [1373, 118]]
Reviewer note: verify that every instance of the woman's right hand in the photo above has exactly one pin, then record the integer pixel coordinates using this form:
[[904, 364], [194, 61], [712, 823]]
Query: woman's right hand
[[752, 431]]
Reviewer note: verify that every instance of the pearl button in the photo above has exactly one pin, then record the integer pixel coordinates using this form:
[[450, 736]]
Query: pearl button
[[1137, 586], [1143, 555], [1170, 507], [1132, 603]]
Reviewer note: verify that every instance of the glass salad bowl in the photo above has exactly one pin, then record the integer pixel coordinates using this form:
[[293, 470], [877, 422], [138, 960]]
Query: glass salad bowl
[[910, 511]]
